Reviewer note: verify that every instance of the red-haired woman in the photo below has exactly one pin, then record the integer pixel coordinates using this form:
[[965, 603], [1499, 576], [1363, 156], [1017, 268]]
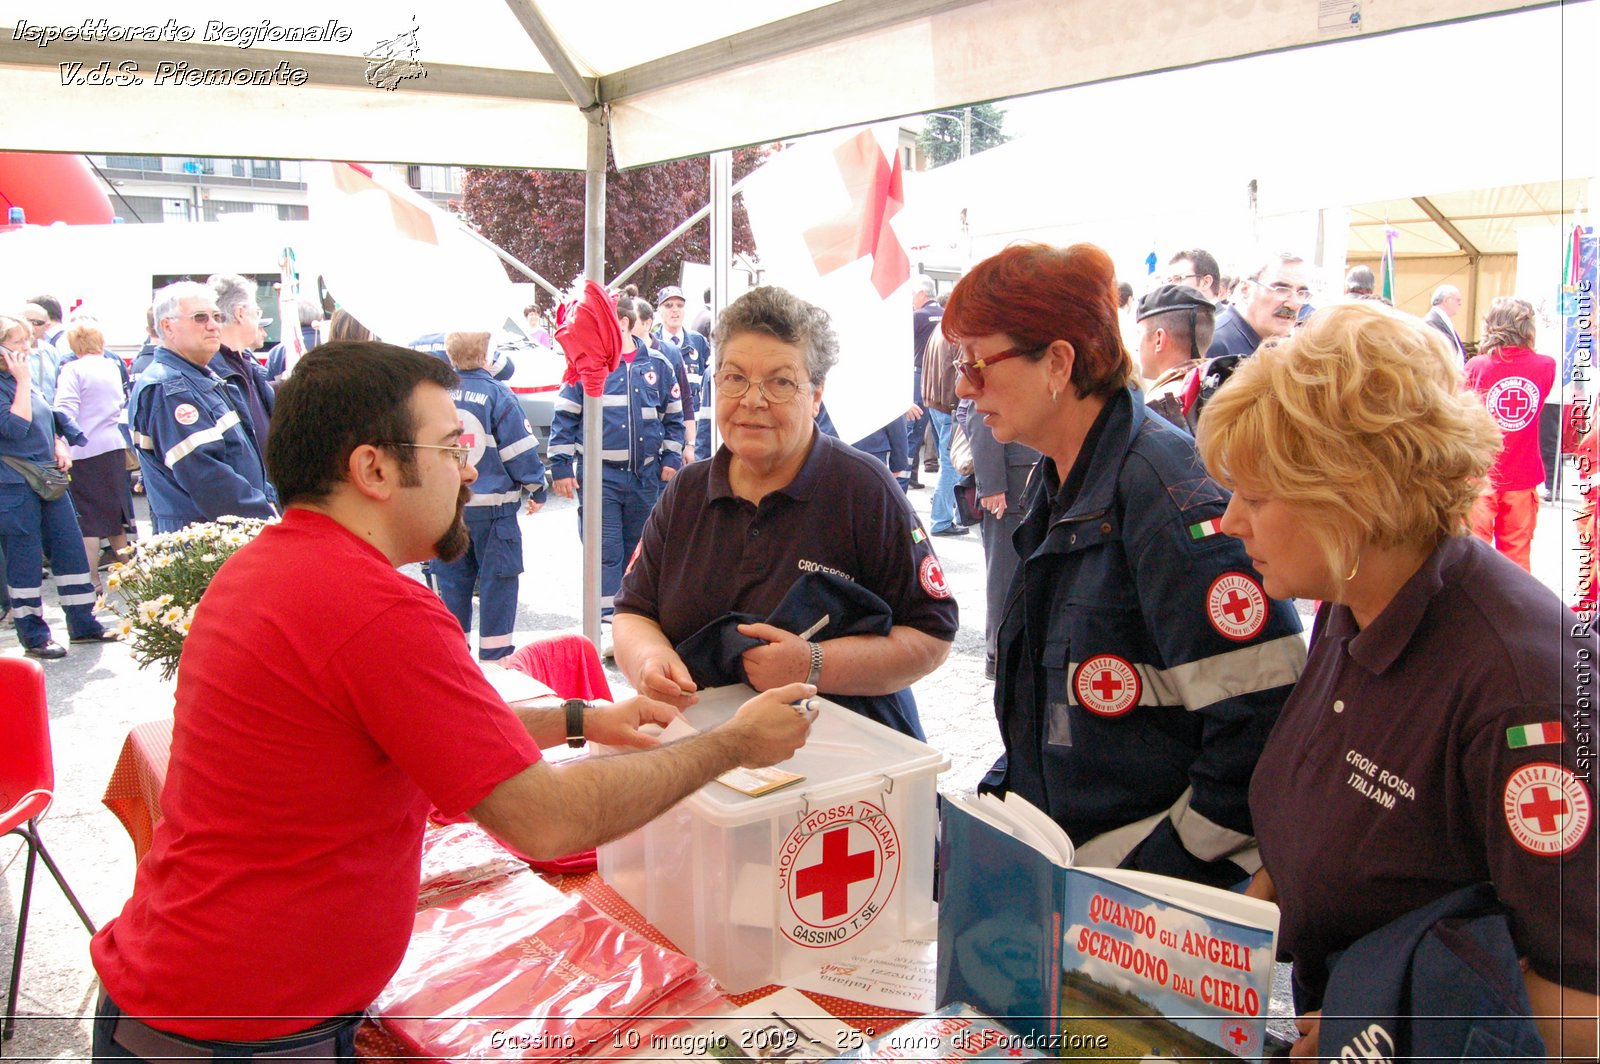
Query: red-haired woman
[[1140, 664]]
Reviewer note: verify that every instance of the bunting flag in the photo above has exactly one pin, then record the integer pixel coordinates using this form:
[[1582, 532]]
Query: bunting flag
[[401, 265], [1386, 284], [822, 213]]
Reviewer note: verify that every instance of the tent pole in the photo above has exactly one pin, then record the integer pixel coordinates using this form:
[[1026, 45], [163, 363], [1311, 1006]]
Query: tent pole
[[722, 189], [683, 227], [594, 268]]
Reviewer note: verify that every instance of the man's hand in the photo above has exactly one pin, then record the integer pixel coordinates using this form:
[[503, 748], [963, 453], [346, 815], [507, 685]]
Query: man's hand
[[784, 659], [1309, 1026], [913, 412], [566, 487], [667, 473], [770, 727], [994, 504], [618, 723], [665, 677], [534, 506], [63, 455]]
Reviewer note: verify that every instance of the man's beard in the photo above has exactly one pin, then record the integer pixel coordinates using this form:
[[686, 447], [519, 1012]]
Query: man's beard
[[454, 543]]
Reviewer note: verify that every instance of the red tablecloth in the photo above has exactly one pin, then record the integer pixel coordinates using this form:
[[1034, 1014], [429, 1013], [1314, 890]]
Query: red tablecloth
[[134, 792], [134, 795]]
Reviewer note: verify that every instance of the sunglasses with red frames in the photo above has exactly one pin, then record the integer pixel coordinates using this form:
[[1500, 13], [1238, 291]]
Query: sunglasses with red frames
[[973, 370]]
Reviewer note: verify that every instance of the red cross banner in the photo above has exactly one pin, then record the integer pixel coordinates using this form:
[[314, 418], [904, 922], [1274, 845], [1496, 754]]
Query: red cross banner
[[823, 213], [401, 265]]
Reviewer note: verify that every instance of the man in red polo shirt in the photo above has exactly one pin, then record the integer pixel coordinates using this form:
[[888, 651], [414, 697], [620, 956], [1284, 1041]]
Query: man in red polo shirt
[[324, 700]]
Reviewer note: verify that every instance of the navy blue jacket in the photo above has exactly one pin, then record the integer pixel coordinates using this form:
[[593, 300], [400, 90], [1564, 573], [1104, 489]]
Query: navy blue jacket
[[197, 450], [34, 439], [1140, 665], [643, 422], [1440, 983], [505, 449]]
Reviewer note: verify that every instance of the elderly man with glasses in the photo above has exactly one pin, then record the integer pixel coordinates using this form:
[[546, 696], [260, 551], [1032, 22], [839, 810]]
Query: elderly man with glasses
[[43, 358], [198, 448]]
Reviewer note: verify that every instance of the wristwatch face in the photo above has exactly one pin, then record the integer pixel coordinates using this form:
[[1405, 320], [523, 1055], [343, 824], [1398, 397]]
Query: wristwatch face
[[574, 708]]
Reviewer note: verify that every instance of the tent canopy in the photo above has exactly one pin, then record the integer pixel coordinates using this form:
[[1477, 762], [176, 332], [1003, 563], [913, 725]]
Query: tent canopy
[[501, 75]]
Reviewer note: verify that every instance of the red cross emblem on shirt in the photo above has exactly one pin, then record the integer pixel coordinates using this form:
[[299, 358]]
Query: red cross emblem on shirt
[[1513, 406], [833, 875], [863, 229], [1544, 809], [1236, 606], [1107, 685]]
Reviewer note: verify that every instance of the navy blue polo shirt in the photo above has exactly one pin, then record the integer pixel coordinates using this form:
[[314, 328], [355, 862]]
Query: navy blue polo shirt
[[706, 552], [1449, 743]]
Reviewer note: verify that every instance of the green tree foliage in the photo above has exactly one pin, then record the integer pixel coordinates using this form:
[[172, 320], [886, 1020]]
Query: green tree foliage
[[537, 215], [940, 139]]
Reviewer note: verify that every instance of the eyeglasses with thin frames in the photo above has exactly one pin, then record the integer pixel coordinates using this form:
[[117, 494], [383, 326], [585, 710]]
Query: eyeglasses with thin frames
[[1183, 278], [201, 317], [772, 389], [461, 451], [1284, 290], [973, 370], [36, 322]]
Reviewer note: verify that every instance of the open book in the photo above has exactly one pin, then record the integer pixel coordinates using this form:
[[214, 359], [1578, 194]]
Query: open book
[[1157, 965]]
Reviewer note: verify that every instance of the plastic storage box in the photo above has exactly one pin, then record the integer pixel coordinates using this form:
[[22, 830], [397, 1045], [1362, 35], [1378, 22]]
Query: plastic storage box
[[760, 888]]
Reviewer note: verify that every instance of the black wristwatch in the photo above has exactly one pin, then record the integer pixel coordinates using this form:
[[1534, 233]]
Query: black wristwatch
[[574, 708]]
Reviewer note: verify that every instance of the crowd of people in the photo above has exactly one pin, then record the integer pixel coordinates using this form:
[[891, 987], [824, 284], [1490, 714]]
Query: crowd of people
[[1147, 519]]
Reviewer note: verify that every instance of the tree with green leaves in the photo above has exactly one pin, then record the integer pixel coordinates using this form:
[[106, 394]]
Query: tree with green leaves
[[940, 139], [537, 215]]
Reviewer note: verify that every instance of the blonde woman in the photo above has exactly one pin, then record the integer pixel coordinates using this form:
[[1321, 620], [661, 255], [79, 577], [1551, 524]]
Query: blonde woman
[[33, 437], [89, 390], [1431, 741]]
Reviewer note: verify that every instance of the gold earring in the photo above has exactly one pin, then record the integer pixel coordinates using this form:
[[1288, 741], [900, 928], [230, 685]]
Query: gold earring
[[1353, 569], [1055, 395]]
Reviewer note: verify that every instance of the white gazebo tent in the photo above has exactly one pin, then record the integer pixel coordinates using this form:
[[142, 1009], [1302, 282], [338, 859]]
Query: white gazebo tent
[[547, 83]]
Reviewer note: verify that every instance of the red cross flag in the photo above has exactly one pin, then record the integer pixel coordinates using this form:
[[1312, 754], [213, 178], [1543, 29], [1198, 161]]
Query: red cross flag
[[823, 216], [402, 266]]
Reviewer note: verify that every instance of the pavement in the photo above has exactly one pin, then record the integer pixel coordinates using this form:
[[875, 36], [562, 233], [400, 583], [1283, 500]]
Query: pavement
[[98, 692]]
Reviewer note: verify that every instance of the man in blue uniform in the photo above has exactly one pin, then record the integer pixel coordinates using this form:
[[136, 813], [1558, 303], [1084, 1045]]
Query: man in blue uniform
[[696, 351], [641, 449], [505, 452], [197, 447]]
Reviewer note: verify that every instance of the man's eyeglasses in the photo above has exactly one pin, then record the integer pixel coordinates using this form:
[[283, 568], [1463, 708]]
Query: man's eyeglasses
[[973, 370], [1183, 278], [201, 317], [36, 322], [461, 451], [1284, 290], [773, 389]]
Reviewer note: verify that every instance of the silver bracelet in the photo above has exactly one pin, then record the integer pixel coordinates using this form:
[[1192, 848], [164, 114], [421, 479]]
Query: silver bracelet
[[816, 663]]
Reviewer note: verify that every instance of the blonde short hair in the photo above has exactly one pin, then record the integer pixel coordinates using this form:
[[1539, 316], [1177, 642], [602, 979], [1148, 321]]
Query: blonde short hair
[[467, 350], [10, 323], [1359, 420], [85, 338]]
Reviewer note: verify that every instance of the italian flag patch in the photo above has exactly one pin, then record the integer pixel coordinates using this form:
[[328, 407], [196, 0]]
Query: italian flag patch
[[1534, 735], [917, 536], [1204, 529]]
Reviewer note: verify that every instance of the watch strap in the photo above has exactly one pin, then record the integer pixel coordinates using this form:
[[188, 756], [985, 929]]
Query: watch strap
[[816, 663], [574, 708]]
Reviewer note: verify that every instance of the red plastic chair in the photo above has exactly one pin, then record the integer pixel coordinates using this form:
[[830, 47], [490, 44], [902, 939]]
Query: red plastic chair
[[27, 787], [567, 664]]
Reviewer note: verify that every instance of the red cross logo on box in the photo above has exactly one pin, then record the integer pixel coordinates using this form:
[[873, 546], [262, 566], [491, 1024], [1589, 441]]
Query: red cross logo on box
[[838, 869], [1547, 809], [1106, 685], [1236, 606]]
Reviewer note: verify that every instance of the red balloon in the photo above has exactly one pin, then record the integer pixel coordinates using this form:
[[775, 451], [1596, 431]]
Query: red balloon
[[53, 188]]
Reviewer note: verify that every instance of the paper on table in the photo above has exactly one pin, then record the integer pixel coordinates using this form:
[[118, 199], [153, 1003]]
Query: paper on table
[[514, 686], [899, 976]]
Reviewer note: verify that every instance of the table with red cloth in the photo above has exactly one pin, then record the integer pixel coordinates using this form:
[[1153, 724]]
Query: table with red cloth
[[134, 791], [134, 795]]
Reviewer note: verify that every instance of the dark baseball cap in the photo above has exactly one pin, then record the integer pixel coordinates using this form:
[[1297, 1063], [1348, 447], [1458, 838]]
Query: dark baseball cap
[[672, 291], [1169, 297]]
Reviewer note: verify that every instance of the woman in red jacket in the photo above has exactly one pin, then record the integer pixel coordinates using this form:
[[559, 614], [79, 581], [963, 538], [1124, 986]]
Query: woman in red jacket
[[1513, 382]]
